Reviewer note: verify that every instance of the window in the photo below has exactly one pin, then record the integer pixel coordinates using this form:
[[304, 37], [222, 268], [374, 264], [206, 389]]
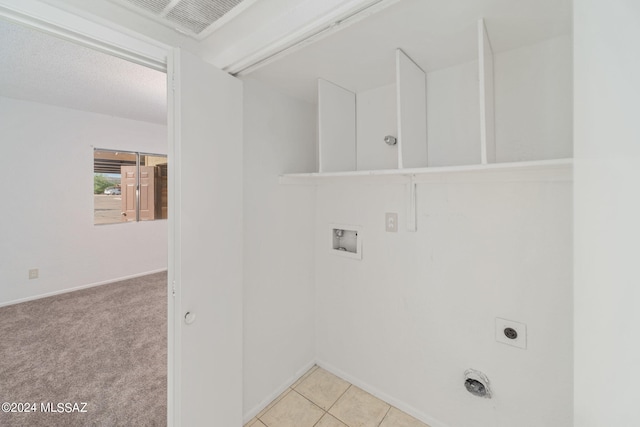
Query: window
[[128, 186]]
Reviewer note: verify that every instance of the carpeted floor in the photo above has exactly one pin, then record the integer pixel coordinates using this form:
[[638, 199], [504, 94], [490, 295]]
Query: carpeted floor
[[105, 346]]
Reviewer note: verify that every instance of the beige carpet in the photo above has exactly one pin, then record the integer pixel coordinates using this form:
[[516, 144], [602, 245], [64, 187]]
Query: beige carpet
[[105, 346]]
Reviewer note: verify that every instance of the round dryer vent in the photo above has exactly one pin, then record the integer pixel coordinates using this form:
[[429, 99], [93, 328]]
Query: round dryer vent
[[477, 383]]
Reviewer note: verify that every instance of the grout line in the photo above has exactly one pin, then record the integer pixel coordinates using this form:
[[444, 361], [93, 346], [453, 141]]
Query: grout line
[[340, 397], [339, 419], [272, 404], [334, 404], [320, 419], [326, 412], [385, 415], [309, 400], [313, 403]]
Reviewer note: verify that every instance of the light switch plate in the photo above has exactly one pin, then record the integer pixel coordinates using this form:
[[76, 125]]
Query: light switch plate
[[511, 333], [391, 222]]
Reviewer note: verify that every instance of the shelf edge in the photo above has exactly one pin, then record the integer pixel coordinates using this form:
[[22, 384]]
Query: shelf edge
[[538, 165]]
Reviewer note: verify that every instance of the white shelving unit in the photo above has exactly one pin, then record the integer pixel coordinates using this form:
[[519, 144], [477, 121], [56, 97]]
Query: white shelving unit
[[561, 169], [487, 105], [462, 132], [543, 170], [411, 90], [352, 126]]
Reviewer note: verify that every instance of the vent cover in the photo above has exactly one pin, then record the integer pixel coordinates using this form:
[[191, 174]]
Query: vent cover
[[197, 18], [153, 6]]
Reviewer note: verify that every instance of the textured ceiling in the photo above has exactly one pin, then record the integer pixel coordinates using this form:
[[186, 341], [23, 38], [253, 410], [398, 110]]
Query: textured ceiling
[[196, 18], [38, 67]]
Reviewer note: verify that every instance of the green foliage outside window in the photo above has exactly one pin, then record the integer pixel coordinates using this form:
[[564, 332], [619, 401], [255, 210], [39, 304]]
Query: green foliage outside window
[[100, 183]]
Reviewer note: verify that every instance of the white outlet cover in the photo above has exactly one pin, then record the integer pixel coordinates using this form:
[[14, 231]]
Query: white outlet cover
[[391, 222], [520, 341]]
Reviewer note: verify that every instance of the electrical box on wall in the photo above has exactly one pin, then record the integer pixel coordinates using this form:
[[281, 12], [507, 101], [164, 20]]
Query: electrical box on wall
[[511, 333], [346, 240]]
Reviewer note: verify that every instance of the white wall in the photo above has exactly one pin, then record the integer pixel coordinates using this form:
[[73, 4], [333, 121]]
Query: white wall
[[420, 308], [376, 117], [453, 116], [534, 101], [279, 316], [607, 212], [47, 214], [407, 320]]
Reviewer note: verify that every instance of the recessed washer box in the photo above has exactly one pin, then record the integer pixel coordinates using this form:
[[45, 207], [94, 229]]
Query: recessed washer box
[[346, 240]]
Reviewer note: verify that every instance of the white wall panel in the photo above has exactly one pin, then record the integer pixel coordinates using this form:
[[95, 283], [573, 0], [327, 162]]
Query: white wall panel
[[412, 112], [607, 208], [376, 118], [533, 101], [279, 308], [453, 116], [336, 127], [207, 244], [419, 309]]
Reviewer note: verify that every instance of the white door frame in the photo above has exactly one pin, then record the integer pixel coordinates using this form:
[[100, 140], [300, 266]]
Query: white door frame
[[125, 44]]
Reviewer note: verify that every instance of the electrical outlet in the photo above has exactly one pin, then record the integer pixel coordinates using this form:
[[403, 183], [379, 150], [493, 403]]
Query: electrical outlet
[[511, 333], [33, 273], [391, 222]]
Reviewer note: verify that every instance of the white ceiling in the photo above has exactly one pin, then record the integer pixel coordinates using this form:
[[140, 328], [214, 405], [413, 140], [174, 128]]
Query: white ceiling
[[434, 33], [39, 67]]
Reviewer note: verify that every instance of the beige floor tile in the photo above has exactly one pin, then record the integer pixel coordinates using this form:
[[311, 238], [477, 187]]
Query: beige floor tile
[[330, 421], [322, 388], [357, 408], [276, 400], [250, 423], [397, 418], [292, 410], [304, 376], [258, 424]]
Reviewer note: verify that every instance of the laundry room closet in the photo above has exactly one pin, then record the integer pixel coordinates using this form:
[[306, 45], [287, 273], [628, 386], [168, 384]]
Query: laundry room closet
[[437, 137]]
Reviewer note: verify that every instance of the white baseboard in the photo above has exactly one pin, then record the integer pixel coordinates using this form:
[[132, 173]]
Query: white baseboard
[[419, 415], [271, 397], [77, 288]]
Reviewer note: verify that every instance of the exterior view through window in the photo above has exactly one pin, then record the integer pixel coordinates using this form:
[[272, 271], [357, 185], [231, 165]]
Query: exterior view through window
[[128, 186]]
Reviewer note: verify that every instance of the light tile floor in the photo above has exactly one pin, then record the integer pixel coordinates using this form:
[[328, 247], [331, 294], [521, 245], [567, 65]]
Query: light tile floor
[[321, 399]]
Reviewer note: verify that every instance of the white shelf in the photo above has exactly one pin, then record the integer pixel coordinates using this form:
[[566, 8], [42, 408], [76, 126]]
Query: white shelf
[[556, 169]]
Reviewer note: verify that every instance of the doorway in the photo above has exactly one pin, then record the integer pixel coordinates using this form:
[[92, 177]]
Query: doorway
[[57, 107]]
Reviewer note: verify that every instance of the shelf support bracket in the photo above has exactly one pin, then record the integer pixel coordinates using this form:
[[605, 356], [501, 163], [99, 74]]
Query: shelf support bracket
[[412, 225]]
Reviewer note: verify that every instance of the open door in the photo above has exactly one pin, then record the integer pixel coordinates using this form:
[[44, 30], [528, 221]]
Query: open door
[[150, 207], [205, 244], [128, 186]]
